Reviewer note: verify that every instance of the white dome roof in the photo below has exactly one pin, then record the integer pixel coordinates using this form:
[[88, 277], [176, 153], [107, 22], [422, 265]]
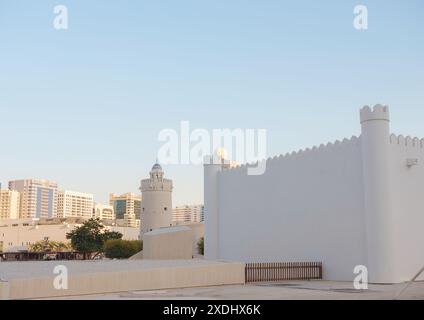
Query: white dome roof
[[156, 167]]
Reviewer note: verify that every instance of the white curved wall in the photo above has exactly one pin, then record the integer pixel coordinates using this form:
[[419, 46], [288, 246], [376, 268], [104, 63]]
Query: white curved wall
[[156, 210]]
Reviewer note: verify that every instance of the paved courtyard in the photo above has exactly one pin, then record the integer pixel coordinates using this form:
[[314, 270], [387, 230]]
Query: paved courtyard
[[316, 289], [296, 290]]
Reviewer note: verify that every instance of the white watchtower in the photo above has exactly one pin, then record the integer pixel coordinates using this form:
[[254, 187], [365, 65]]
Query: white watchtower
[[377, 192], [156, 211]]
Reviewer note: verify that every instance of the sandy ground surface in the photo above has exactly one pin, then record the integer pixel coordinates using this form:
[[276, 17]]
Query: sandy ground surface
[[286, 290]]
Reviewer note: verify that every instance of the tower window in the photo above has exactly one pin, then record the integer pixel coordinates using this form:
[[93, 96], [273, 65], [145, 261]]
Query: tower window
[[165, 208]]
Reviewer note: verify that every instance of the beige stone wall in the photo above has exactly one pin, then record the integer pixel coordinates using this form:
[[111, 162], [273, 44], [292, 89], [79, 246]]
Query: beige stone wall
[[159, 275], [19, 234], [168, 243], [4, 290], [198, 231]]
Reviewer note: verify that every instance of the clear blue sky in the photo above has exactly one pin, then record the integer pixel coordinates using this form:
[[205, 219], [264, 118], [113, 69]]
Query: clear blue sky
[[83, 107]]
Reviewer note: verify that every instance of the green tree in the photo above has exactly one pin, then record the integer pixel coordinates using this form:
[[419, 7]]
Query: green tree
[[201, 246], [122, 249], [91, 237]]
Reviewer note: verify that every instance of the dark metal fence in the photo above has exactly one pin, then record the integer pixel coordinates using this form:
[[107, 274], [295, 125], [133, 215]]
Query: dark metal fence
[[40, 256], [276, 271]]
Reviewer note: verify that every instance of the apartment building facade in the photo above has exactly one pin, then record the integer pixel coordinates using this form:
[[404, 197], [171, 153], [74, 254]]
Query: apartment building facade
[[103, 212], [38, 197], [127, 208], [188, 214], [74, 204], [10, 204]]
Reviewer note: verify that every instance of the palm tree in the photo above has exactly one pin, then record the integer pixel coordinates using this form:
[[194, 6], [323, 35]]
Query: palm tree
[[49, 246]]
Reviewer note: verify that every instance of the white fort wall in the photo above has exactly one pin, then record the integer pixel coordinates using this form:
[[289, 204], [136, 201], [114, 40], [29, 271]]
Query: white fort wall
[[350, 203], [305, 207], [408, 205]]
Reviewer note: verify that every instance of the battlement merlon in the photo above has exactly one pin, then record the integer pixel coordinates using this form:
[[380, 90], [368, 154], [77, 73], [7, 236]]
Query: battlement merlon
[[379, 112], [216, 160]]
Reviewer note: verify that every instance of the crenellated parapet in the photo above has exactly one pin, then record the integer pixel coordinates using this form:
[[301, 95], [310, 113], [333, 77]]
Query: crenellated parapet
[[314, 151], [412, 142], [155, 185], [378, 112]]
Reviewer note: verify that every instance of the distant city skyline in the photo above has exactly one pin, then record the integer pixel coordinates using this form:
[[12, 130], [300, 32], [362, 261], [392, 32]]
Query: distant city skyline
[[43, 199], [83, 107]]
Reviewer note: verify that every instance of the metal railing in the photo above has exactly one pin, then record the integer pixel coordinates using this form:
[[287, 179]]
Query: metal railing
[[276, 271]]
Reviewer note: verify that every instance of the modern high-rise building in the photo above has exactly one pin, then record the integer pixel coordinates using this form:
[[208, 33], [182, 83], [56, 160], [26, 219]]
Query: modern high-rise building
[[103, 212], [74, 204], [188, 214], [202, 214], [127, 208], [9, 204], [38, 197]]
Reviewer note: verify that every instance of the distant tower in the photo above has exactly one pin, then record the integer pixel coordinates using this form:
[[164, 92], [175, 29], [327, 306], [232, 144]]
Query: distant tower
[[156, 209], [375, 141]]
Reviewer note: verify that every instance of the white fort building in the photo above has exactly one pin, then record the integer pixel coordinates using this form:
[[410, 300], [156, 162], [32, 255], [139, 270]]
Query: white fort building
[[359, 201], [156, 209]]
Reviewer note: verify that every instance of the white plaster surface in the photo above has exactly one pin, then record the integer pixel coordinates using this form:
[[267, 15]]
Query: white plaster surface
[[306, 207]]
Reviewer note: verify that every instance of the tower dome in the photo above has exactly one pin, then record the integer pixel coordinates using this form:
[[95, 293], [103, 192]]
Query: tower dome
[[157, 167]]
